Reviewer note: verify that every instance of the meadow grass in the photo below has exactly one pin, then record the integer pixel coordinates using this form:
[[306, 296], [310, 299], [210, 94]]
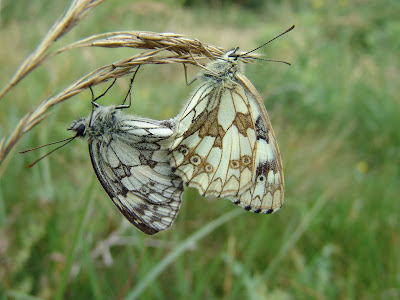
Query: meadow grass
[[335, 114]]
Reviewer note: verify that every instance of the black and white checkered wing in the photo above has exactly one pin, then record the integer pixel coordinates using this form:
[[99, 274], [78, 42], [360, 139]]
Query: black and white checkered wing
[[130, 158]]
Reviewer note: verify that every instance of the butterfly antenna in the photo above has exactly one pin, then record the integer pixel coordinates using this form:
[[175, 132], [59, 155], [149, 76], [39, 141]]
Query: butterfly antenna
[[286, 31], [49, 144], [68, 140], [273, 60]]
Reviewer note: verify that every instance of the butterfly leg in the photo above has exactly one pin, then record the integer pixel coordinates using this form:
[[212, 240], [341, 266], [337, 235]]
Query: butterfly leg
[[129, 93]]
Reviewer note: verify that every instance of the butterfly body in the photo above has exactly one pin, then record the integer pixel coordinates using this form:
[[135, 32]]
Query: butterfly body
[[224, 144], [129, 155]]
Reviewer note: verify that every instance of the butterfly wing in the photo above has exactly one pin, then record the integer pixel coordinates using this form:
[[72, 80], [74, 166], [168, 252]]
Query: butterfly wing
[[225, 146], [133, 167]]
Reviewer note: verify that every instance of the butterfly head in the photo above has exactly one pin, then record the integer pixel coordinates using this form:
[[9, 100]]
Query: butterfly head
[[101, 121], [79, 126], [223, 68], [231, 60], [231, 55]]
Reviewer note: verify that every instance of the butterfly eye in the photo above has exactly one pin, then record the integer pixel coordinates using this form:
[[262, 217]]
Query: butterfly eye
[[195, 159], [80, 130], [79, 126]]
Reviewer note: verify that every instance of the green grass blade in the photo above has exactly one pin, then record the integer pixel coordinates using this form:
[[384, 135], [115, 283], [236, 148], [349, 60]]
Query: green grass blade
[[16, 295], [77, 238], [2, 209], [292, 240], [135, 293]]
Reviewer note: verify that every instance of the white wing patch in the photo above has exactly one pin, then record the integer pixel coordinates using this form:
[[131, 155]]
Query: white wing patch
[[130, 158], [224, 144]]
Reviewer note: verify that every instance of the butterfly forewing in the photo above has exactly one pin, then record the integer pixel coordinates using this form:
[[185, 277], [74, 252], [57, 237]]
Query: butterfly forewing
[[130, 158], [225, 145]]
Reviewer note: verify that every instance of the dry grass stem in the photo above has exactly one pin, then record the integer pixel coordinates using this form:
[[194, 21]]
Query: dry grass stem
[[180, 49], [103, 249], [174, 42], [75, 13], [117, 238]]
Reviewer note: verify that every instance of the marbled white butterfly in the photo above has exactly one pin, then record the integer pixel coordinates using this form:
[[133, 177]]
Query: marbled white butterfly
[[225, 145], [130, 158], [129, 155]]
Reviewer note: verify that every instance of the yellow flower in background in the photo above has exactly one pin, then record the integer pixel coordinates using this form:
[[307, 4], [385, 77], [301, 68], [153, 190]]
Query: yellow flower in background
[[317, 3], [362, 167]]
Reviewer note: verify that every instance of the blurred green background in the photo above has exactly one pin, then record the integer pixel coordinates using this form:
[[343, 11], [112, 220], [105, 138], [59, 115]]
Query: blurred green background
[[335, 114]]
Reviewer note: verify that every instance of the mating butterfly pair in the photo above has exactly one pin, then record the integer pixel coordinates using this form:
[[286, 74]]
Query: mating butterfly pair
[[222, 143]]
